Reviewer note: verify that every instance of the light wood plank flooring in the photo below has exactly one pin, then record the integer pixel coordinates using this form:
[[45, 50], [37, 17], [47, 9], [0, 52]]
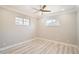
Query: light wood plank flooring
[[39, 46]]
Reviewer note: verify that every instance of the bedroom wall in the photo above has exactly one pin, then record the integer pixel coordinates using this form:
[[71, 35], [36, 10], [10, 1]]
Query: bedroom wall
[[78, 26], [10, 33], [65, 32]]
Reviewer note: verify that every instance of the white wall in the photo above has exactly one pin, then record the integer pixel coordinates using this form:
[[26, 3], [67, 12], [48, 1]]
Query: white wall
[[65, 32], [78, 26], [10, 33]]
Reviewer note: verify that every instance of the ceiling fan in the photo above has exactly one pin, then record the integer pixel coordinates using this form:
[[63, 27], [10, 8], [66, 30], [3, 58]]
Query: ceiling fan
[[41, 9]]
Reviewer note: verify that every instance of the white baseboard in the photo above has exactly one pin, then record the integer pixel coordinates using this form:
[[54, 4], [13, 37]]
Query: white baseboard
[[4, 48]]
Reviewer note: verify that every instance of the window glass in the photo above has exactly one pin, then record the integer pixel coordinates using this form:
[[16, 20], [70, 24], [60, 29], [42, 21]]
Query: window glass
[[22, 21], [19, 21], [51, 22], [26, 21]]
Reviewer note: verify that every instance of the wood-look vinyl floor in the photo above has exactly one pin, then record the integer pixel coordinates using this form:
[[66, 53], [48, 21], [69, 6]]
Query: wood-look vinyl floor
[[39, 46]]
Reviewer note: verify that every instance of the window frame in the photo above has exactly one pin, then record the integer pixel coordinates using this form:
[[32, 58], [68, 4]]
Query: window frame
[[22, 21], [52, 23]]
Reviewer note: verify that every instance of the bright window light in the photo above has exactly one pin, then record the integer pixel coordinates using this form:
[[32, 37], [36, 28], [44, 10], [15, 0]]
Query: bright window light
[[51, 22], [26, 21], [54, 20], [19, 21], [22, 21]]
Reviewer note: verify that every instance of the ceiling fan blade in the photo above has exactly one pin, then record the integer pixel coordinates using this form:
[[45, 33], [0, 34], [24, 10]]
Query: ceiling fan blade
[[43, 6], [46, 11]]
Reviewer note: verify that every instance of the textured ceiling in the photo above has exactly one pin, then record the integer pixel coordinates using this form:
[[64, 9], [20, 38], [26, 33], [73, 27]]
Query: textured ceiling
[[28, 9]]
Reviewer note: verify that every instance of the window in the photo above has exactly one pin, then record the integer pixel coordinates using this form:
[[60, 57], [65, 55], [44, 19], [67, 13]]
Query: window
[[22, 21], [26, 21], [52, 22], [19, 21]]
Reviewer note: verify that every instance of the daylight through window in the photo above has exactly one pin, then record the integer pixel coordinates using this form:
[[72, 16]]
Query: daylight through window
[[22, 21]]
